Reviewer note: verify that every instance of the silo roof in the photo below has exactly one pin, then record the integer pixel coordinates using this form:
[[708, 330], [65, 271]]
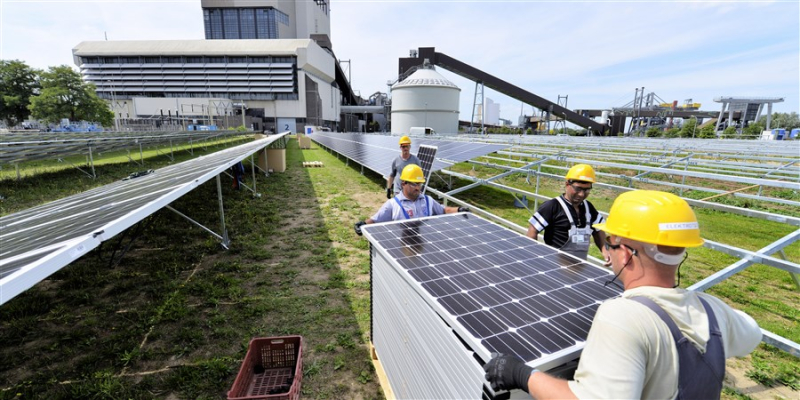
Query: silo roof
[[425, 77]]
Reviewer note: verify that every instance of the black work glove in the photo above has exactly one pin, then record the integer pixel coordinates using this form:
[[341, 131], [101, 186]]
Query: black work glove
[[463, 209], [389, 193], [358, 226], [507, 373]]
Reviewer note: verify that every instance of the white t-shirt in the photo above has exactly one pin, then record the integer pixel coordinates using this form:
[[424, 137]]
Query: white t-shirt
[[630, 352]]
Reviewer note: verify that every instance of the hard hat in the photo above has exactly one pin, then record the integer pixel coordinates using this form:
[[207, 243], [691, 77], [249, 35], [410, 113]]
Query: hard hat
[[581, 172], [412, 173], [405, 140], [653, 217]]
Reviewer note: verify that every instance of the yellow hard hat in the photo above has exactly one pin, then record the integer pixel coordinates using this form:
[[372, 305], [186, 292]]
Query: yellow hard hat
[[581, 172], [412, 173], [653, 217], [405, 140]]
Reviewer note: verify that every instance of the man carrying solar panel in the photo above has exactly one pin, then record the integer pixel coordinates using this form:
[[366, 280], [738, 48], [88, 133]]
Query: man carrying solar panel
[[404, 159], [567, 219], [656, 340], [408, 203]]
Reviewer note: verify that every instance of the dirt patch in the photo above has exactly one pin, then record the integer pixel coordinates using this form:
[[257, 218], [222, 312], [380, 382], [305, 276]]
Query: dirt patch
[[736, 377]]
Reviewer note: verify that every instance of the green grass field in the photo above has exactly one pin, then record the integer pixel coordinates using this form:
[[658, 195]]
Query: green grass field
[[173, 318]]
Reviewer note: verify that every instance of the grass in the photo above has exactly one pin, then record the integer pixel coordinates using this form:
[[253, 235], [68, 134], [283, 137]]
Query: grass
[[173, 319]]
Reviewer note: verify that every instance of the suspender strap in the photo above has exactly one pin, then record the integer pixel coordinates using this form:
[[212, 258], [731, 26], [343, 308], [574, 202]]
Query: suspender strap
[[401, 207], [566, 210], [676, 333], [427, 205]]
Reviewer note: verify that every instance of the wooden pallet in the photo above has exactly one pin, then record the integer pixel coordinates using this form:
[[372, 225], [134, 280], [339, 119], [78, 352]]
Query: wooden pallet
[[382, 378]]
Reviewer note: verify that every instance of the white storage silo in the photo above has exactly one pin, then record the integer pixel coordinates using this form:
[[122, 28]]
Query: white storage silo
[[425, 99]]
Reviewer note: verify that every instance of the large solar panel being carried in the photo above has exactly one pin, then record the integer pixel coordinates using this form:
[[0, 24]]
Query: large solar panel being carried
[[376, 152], [450, 287], [41, 240]]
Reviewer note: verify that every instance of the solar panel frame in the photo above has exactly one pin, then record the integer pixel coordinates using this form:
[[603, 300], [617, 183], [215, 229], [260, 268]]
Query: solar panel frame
[[426, 155], [374, 151], [29, 147], [468, 321], [41, 240]]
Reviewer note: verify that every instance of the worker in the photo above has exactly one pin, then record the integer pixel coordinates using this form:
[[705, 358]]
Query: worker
[[405, 158], [408, 203], [567, 219], [656, 341]]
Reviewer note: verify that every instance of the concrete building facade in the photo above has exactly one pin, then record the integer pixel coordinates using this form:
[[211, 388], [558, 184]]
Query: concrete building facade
[[280, 84], [265, 19]]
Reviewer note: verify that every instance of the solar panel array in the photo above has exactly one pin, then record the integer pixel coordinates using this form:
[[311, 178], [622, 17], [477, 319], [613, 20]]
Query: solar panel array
[[496, 290], [426, 155], [16, 148], [41, 240], [376, 151]]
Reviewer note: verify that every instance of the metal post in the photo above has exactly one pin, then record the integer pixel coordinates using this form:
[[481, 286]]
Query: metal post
[[141, 154], [91, 162], [17, 167], [253, 168], [538, 176], [225, 241]]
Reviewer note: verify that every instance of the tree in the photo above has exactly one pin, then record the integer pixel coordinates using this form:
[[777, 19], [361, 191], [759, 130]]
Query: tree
[[787, 121], [672, 133], [653, 132], [689, 127], [707, 132], [754, 129], [65, 95], [729, 133], [18, 83]]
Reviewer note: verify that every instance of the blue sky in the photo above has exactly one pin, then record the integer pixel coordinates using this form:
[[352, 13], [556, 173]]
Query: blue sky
[[595, 52]]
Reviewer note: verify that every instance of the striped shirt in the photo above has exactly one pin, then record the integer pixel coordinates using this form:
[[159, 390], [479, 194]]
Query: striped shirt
[[551, 219]]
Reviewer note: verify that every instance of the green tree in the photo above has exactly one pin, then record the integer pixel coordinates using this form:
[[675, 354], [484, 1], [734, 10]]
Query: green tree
[[672, 133], [18, 83], [65, 95], [729, 133], [787, 121], [689, 127], [653, 132], [754, 129], [707, 132]]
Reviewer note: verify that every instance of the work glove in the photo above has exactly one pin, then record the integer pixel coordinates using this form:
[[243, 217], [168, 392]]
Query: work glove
[[388, 193], [507, 372], [358, 226], [463, 209]]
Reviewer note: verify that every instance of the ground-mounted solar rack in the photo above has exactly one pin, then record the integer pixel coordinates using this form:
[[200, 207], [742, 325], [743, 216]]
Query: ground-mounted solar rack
[[41, 240], [17, 148], [375, 152], [447, 291]]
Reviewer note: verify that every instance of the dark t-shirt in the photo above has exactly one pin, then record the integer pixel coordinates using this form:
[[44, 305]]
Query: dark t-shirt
[[551, 219], [397, 169]]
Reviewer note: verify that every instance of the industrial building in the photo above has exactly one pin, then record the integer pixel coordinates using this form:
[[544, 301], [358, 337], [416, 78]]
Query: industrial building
[[278, 84]]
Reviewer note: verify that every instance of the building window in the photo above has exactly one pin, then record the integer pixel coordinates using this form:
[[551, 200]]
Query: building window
[[281, 17], [213, 18], [230, 23], [247, 19]]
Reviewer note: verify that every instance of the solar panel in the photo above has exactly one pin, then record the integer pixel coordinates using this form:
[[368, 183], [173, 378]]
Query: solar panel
[[497, 290], [374, 151], [426, 155], [41, 240], [16, 148]]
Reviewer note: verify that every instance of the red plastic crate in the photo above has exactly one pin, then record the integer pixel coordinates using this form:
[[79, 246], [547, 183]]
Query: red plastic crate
[[271, 370]]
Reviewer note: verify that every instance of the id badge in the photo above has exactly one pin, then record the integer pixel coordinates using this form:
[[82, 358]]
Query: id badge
[[578, 239]]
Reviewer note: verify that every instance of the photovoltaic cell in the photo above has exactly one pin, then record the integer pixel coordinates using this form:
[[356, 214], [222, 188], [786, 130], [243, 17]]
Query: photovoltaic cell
[[375, 152], [502, 292], [426, 155], [38, 241]]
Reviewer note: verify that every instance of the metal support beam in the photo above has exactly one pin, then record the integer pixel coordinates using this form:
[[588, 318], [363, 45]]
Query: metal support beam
[[749, 258], [225, 241]]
